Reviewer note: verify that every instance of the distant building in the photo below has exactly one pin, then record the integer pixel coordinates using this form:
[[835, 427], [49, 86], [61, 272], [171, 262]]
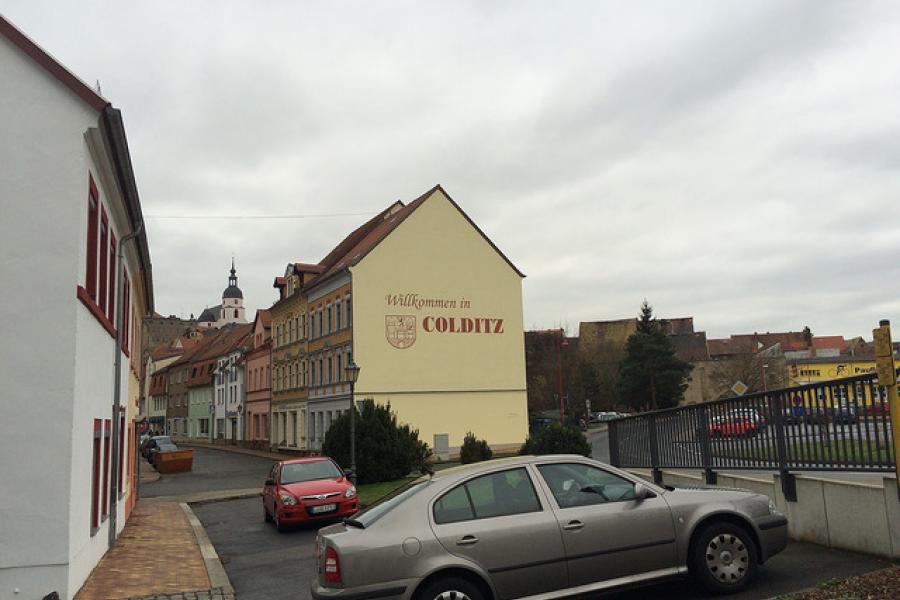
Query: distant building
[[231, 311], [229, 384], [258, 378]]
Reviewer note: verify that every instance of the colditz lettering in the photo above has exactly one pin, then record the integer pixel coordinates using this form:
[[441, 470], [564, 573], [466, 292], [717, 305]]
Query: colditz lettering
[[432, 324]]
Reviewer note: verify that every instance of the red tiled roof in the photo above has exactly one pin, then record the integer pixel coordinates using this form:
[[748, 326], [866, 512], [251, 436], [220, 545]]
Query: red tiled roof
[[829, 341], [265, 316], [279, 282], [307, 268], [366, 237]]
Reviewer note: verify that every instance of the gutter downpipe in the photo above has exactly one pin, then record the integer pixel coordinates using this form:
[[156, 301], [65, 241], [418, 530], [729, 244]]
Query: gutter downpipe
[[117, 391]]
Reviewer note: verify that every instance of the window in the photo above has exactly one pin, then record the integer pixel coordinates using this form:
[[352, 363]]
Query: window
[[95, 476], [339, 375], [328, 319], [576, 484], [321, 374], [104, 500], [235, 313], [104, 239], [349, 311], [330, 371], [126, 314], [493, 495], [121, 469], [93, 212], [320, 321], [111, 301], [337, 315]]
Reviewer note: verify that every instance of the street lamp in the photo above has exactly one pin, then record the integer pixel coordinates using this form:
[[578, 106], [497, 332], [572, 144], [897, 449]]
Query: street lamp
[[562, 342], [352, 373], [765, 383]]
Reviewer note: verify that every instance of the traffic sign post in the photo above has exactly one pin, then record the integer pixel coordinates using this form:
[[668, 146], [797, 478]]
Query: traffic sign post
[[887, 378]]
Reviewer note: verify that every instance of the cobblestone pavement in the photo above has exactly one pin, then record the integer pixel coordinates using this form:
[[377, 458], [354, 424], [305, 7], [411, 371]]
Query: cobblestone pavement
[[157, 553], [210, 594]]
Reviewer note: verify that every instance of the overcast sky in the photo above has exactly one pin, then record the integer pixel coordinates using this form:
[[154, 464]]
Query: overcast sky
[[738, 162]]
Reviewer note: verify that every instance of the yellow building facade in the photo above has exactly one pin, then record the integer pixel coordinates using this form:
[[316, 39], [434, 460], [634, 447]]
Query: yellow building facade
[[809, 371], [437, 328]]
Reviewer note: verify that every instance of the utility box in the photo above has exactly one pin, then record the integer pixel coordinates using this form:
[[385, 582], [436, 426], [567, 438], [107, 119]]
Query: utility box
[[442, 446]]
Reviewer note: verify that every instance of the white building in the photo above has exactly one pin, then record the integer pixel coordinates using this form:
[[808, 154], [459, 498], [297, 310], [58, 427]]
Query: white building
[[67, 198], [229, 386]]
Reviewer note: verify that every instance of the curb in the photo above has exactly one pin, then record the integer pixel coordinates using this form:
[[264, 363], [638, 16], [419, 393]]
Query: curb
[[218, 578], [208, 497]]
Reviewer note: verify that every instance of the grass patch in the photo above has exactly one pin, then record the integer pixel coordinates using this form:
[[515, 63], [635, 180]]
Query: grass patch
[[371, 492], [858, 452]]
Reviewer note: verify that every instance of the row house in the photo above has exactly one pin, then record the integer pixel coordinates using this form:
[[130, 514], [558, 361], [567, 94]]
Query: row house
[[289, 359], [258, 376], [78, 256], [228, 385], [428, 308]]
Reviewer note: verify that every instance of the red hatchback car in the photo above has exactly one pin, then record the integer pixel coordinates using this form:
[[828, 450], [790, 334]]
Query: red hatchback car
[[305, 490]]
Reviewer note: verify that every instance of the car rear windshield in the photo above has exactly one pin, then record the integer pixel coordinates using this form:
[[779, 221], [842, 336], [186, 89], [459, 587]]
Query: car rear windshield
[[390, 502], [309, 471]]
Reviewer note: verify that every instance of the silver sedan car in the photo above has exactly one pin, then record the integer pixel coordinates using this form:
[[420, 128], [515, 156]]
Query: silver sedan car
[[543, 527]]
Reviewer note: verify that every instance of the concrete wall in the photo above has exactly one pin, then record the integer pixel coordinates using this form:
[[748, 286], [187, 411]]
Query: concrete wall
[[827, 511]]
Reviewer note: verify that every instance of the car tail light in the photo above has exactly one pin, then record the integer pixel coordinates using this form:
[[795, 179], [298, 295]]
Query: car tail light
[[332, 566]]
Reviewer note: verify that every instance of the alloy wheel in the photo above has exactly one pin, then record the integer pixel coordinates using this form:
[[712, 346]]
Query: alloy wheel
[[727, 558], [452, 595]]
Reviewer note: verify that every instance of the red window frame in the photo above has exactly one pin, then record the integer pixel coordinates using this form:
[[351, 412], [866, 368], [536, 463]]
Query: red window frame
[[126, 313], [121, 469], [91, 254], [111, 303], [95, 476], [104, 275], [104, 501]]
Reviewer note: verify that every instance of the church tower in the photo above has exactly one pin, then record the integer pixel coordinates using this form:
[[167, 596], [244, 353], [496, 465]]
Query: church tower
[[232, 301]]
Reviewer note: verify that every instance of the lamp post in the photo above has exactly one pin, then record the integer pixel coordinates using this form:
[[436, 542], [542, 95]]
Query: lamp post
[[352, 373], [765, 383], [562, 342]]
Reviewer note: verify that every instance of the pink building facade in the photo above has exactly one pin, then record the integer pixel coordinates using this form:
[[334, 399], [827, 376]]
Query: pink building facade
[[258, 382]]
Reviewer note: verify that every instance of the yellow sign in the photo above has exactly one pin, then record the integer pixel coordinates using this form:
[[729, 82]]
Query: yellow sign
[[739, 388], [883, 345]]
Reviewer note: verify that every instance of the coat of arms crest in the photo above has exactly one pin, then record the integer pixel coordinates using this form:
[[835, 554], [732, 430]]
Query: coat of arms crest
[[400, 330]]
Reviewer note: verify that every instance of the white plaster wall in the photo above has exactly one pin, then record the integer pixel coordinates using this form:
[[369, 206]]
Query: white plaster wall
[[43, 192]]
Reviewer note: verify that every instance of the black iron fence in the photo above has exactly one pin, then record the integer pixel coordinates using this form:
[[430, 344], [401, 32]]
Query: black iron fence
[[838, 425]]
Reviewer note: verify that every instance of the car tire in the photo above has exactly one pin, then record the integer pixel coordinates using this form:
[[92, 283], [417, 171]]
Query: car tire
[[450, 588], [279, 526], [723, 558]]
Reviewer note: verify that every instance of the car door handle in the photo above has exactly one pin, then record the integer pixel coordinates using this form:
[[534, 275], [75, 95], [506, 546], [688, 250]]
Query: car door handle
[[467, 540], [573, 526]]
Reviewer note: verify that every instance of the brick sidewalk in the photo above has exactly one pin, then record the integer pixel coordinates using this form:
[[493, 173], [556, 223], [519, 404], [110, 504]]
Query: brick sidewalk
[[157, 555]]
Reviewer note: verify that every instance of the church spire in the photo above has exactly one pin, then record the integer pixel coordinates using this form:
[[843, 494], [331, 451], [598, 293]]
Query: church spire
[[232, 280]]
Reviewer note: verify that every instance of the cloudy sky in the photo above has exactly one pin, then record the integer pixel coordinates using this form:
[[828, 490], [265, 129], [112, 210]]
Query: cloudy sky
[[734, 161]]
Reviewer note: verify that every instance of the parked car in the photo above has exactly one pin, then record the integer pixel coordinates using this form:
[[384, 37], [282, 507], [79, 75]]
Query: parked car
[[152, 444], [605, 417], [844, 415], [758, 419], [878, 408], [546, 526], [801, 414], [733, 426], [535, 424], [306, 490]]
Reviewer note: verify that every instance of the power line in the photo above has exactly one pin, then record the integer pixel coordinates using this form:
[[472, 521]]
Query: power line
[[248, 217]]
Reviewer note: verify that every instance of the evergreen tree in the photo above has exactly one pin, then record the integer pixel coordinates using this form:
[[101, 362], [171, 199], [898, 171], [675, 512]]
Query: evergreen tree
[[651, 376]]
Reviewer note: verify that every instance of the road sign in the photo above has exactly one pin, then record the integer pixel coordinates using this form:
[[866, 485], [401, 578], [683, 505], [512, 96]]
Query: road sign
[[739, 388], [882, 337]]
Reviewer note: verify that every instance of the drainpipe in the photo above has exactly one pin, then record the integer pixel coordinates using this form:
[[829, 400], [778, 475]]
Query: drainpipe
[[117, 392]]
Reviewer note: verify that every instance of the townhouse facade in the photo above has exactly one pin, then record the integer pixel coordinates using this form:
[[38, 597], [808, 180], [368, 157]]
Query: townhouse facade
[[82, 262], [428, 308], [229, 386], [258, 375], [289, 367]]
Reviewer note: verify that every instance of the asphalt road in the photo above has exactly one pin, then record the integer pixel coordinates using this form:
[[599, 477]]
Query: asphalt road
[[264, 564], [212, 470]]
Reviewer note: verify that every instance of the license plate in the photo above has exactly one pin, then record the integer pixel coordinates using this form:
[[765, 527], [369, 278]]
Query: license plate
[[322, 508]]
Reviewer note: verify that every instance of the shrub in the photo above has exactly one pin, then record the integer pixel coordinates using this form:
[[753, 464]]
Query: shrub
[[557, 439], [474, 450], [385, 450]]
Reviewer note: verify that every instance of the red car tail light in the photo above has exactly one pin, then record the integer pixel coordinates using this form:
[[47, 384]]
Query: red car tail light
[[332, 566]]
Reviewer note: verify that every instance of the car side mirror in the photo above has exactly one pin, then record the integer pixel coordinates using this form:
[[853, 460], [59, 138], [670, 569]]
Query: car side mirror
[[640, 492], [270, 482]]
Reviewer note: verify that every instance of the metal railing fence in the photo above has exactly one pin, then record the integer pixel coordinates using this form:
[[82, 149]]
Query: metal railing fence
[[837, 425]]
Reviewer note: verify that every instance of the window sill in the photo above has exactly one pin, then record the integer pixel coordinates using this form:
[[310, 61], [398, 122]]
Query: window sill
[[95, 311]]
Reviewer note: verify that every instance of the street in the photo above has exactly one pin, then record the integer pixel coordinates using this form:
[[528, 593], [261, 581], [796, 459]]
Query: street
[[264, 564]]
